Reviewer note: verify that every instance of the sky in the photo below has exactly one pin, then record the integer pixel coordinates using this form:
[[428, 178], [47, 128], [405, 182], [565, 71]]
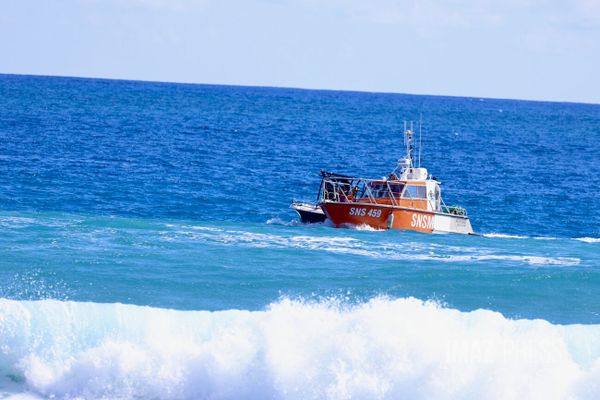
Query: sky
[[518, 49]]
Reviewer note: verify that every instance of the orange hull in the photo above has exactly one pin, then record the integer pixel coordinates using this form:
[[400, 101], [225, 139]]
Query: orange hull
[[378, 217]]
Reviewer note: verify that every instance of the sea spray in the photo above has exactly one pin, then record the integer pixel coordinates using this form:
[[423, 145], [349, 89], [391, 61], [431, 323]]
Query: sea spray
[[381, 349]]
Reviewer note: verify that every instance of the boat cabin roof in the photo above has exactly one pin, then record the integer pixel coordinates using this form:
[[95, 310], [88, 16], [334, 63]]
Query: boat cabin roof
[[398, 181]]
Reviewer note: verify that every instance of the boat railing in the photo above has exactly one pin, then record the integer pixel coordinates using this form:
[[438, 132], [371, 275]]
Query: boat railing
[[361, 190], [453, 210]]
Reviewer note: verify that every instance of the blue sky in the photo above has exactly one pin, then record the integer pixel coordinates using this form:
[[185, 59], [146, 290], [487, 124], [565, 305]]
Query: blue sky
[[526, 49]]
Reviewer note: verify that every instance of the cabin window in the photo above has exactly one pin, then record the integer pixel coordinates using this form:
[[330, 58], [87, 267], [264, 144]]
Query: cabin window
[[384, 191], [396, 189], [415, 192], [379, 191]]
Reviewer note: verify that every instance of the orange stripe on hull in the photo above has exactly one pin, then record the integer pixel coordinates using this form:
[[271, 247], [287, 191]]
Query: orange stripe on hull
[[377, 217]]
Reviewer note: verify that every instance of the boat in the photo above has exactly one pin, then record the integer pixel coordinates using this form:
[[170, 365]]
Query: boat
[[408, 198], [309, 213]]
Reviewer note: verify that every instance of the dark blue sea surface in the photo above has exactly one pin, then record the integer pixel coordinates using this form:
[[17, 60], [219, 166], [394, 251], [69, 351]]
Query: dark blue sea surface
[[176, 196]]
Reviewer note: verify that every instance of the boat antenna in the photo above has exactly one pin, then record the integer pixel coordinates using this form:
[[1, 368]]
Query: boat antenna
[[406, 162], [420, 134], [408, 134]]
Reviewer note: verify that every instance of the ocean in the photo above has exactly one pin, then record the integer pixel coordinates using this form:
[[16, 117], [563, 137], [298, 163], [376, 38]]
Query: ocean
[[148, 249]]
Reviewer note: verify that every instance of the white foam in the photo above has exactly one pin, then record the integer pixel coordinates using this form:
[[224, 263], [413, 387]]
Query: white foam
[[588, 239], [383, 349], [533, 260], [364, 227], [196, 227], [418, 251], [279, 221], [504, 236], [11, 221]]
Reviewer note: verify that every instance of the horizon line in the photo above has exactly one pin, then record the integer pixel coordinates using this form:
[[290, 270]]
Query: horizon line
[[296, 88]]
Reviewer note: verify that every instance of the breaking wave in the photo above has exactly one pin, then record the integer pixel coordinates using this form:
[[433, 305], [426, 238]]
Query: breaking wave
[[504, 236], [381, 349], [280, 221], [589, 240]]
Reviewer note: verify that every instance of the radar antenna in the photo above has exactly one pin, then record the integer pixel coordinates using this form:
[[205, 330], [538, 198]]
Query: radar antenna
[[420, 136]]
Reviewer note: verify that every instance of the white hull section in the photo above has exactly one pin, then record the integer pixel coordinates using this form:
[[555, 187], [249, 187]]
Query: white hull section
[[450, 224]]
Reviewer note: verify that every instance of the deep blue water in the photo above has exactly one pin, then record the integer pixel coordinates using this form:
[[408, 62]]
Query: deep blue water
[[177, 196]]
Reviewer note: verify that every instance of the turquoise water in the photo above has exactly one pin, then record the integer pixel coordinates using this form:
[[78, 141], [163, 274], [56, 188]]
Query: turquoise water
[[147, 247]]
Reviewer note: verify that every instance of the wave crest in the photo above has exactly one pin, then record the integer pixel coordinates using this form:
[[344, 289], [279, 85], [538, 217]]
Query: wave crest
[[385, 349], [504, 236], [588, 240]]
